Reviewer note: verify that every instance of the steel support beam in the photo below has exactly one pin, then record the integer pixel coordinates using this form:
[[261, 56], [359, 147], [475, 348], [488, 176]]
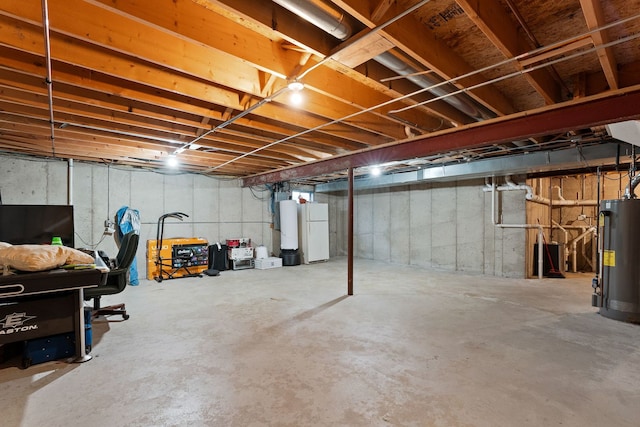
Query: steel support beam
[[620, 105]]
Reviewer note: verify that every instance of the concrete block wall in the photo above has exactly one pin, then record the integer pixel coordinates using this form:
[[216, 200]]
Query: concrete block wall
[[218, 209], [445, 226]]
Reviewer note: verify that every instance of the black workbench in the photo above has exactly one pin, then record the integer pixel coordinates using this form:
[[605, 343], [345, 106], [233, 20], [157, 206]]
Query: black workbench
[[35, 305]]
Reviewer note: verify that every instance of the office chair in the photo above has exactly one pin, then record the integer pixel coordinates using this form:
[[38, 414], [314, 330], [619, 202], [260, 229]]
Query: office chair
[[116, 279]]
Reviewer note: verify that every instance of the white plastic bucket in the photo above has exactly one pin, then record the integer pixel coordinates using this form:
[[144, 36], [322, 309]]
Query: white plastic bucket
[[261, 252]]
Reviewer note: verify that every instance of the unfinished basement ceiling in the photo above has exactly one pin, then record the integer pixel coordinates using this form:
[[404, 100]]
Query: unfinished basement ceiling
[[136, 81]]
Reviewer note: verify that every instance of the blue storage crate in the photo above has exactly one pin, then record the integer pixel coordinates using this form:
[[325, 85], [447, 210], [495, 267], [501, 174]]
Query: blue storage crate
[[46, 349]]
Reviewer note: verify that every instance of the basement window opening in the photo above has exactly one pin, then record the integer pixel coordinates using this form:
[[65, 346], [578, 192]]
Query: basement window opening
[[298, 196]]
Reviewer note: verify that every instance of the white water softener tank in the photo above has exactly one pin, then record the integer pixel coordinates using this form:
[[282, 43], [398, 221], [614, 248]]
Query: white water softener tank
[[289, 233]]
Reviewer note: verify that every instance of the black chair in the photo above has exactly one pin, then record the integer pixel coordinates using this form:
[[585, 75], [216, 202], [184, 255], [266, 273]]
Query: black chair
[[116, 279]]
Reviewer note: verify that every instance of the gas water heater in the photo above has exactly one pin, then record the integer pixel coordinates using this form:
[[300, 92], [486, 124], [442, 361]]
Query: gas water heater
[[617, 286]]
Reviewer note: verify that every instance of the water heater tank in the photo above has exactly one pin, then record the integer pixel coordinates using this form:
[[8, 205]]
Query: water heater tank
[[288, 224], [620, 259]]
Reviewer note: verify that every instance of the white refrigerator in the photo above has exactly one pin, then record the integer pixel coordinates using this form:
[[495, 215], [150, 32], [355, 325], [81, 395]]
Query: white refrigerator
[[313, 225]]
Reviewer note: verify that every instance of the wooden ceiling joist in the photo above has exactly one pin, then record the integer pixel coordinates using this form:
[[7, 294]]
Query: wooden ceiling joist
[[594, 18], [136, 80], [585, 113], [492, 19]]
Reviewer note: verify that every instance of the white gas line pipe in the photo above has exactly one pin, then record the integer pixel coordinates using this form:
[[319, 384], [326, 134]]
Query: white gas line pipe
[[70, 182], [530, 196], [524, 226]]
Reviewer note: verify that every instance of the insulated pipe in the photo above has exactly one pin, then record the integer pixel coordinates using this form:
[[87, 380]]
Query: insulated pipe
[[543, 200], [560, 196], [426, 81], [319, 14]]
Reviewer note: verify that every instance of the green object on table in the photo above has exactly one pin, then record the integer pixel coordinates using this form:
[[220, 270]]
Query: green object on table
[[56, 241]]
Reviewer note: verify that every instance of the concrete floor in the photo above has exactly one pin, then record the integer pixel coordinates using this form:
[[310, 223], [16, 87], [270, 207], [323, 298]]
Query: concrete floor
[[285, 347]]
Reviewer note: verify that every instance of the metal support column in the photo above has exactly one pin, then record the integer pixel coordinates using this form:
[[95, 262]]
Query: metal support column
[[350, 236]]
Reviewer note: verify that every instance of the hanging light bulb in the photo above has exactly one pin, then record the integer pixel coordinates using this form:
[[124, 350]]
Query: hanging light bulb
[[296, 87], [172, 161], [376, 171], [296, 98]]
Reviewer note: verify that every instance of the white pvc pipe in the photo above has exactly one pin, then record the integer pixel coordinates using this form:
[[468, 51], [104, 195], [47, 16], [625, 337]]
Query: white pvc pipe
[[511, 186], [543, 200], [530, 196], [525, 226], [70, 182]]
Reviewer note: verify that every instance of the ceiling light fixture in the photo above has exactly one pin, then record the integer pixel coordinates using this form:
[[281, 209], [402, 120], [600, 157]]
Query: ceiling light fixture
[[295, 86], [376, 171], [296, 97], [172, 161]]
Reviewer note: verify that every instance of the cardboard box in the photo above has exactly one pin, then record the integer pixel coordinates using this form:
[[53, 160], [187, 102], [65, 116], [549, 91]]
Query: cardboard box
[[169, 266], [265, 263]]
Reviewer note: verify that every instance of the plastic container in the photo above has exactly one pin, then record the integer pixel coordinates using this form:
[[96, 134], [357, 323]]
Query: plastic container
[[261, 252], [290, 257]]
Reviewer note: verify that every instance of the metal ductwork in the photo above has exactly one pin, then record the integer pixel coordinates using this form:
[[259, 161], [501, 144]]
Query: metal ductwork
[[629, 192], [334, 22], [319, 14], [424, 81]]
